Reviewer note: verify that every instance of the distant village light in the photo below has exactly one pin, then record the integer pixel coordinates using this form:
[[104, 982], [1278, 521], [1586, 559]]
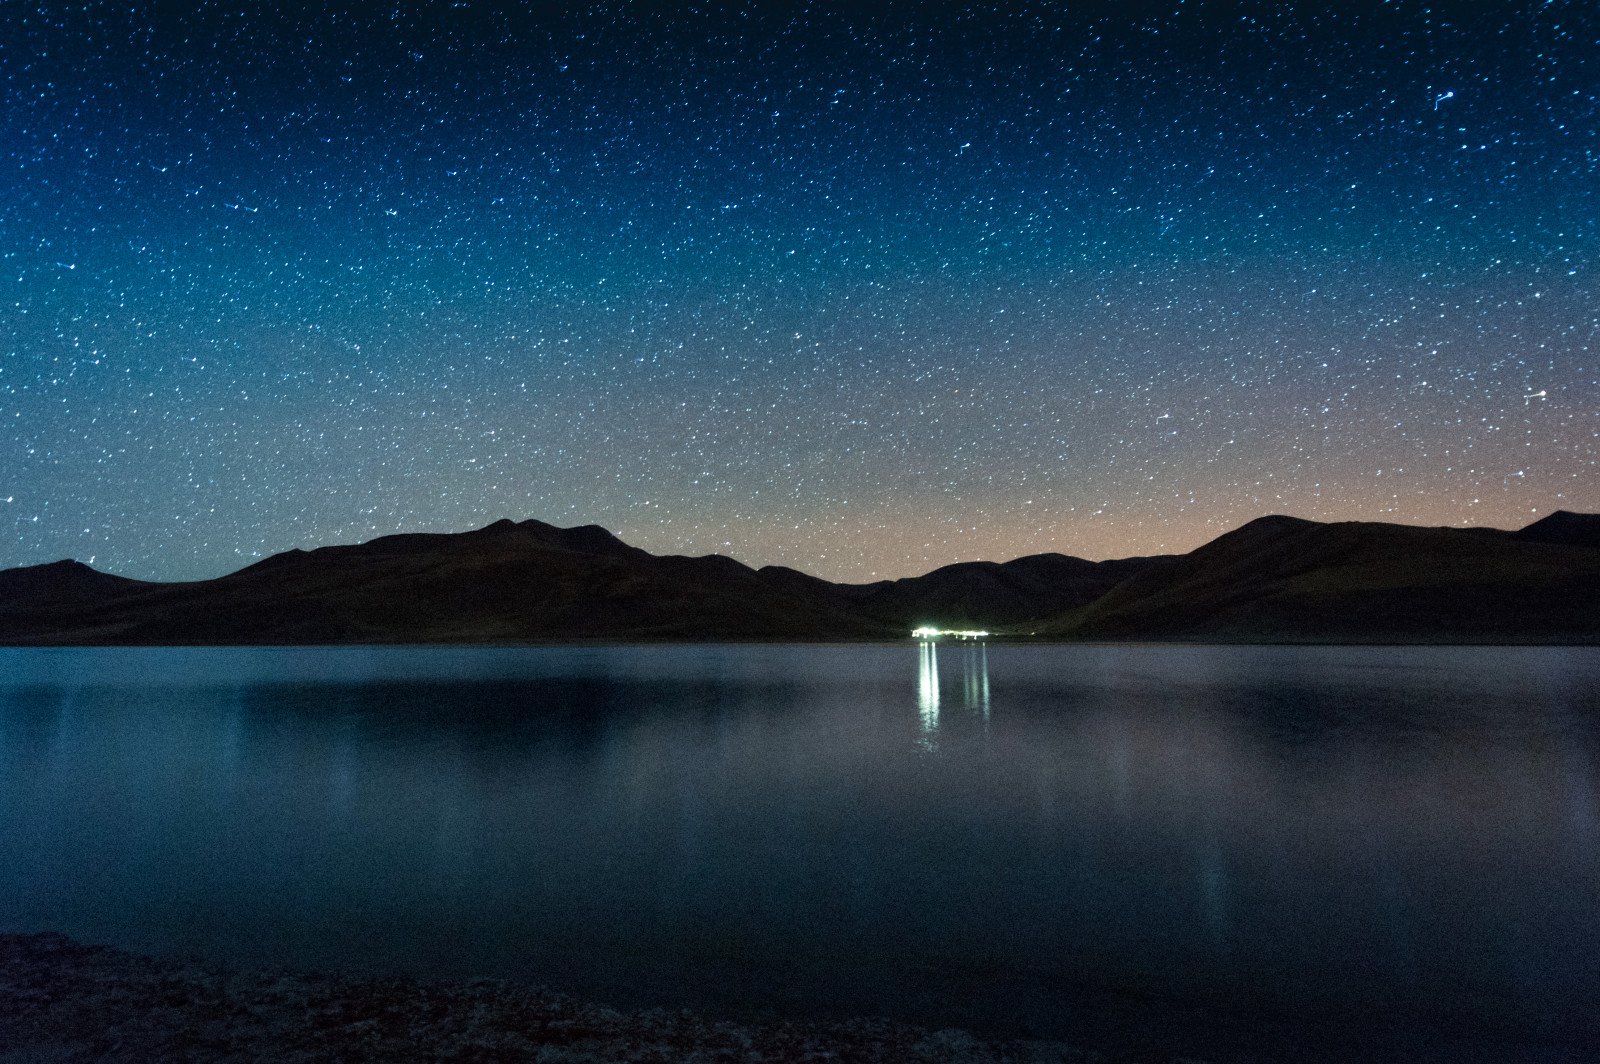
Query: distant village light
[[935, 633]]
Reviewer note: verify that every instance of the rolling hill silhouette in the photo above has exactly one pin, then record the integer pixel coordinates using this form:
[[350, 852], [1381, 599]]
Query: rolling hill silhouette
[[1276, 579], [1281, 579]]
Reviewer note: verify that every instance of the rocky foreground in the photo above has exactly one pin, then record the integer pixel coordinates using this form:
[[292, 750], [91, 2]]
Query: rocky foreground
[[63, 1002]]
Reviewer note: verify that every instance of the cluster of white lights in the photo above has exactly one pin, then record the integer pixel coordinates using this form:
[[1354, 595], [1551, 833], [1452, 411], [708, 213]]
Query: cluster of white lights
[[935, 633]]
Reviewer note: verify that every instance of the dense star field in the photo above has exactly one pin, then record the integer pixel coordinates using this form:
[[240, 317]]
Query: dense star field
[[862, 291]]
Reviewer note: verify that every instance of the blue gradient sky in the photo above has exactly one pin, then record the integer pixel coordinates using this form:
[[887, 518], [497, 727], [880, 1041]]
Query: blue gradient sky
[[862, 293]]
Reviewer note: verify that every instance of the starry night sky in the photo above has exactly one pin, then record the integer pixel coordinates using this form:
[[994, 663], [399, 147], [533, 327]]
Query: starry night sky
[[863, 291]]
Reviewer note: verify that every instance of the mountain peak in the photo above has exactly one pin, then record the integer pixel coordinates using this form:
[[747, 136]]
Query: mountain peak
[[1565, 528], [1278, 523], [67, 580]]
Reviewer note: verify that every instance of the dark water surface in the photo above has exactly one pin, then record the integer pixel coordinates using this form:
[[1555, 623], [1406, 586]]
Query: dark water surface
[[1240, 852]]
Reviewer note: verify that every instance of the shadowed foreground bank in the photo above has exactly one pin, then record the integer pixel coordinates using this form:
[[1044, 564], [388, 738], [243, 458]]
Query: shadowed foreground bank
[[64, 1002]]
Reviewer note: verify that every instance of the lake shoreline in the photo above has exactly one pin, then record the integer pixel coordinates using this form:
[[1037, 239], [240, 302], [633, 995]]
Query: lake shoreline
[[63, 1001]]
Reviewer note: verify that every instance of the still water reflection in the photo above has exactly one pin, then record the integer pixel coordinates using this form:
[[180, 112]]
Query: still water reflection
[[1363, 852], [974, 659]]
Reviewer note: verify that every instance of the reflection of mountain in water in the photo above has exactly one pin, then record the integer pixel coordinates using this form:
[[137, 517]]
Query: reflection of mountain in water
[[1276, 579]]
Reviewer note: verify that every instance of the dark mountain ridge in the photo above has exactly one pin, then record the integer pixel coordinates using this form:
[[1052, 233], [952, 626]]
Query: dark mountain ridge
[[1282, 579], [505, 583], [1276, 579], [1568, 529], [60, 582]]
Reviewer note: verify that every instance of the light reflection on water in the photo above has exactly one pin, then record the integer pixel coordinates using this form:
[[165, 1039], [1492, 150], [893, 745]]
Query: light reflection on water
[[974, 657], [975, 678], [928, 692], [1106, 837]]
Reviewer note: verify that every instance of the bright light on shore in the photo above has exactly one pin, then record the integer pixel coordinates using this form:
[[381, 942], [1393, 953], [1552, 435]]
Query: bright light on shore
[[954, 633]]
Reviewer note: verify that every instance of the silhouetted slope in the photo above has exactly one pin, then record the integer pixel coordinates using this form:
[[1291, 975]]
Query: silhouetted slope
[[991, 594], [507, 582], [61, 583], [1277, 579], [1564, 527], [998, 594], [1281, 579]]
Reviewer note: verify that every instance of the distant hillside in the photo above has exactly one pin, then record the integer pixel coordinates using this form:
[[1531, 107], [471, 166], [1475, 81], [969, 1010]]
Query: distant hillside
[[1280, 579], [504, 583], [1277, 579], [971, 594], [61, 583], [1568, 529]]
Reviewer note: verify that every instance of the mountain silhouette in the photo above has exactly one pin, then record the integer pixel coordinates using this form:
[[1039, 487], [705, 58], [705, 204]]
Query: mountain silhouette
[[1282, 579], [1276, 579], [1564, 527]]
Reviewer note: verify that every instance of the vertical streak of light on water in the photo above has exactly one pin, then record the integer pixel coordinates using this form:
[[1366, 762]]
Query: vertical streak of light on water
[[969, 675], [928, 693], [983, 663], [975, 678]]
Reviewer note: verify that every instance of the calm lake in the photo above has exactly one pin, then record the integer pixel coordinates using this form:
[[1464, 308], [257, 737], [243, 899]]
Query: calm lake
[[1236, 853]]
